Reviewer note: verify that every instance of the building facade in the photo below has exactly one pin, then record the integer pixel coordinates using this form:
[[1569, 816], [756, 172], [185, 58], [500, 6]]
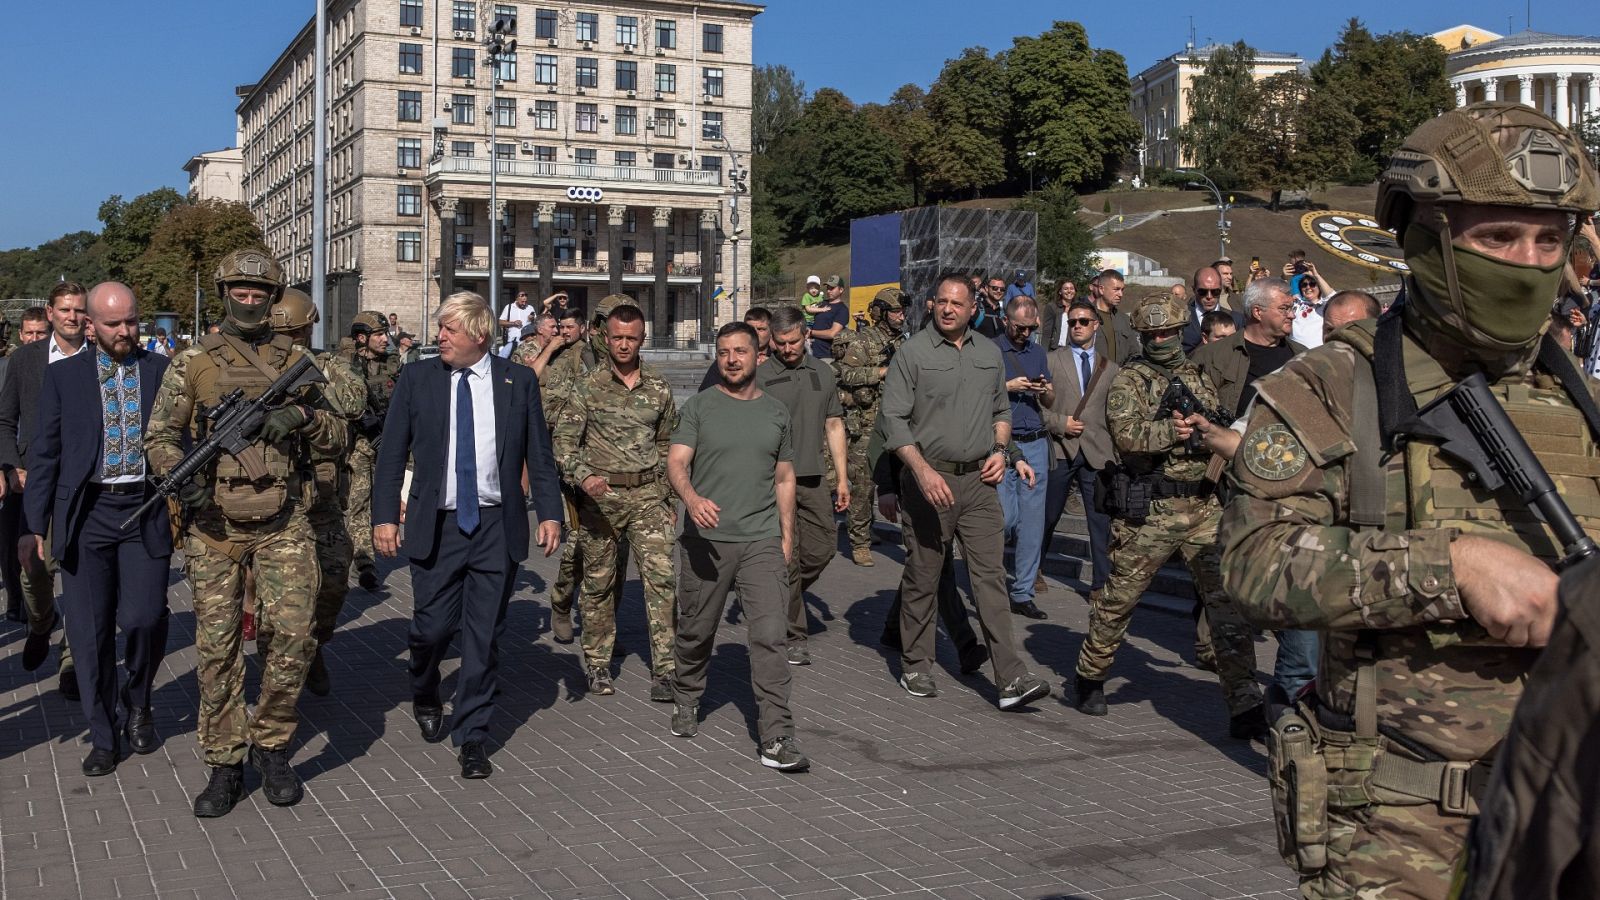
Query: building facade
[[216, 175], [1160, 98], [618, 133], [1557, 74]]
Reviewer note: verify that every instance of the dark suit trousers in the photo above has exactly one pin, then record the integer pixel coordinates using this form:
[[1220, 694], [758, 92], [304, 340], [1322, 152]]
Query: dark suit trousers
[[1064, 473], [463, 585], [112, 582], [10, 566]]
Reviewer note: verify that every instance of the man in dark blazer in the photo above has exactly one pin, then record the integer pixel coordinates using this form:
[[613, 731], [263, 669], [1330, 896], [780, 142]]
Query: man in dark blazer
[[1207, 289], [466, 520], [87, 476], [1080, 440]]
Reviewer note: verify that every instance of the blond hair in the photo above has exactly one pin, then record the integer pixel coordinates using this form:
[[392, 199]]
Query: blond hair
[[470, 311]]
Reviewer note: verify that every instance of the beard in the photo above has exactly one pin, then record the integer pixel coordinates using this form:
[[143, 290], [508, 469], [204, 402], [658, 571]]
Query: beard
[[737, 382]]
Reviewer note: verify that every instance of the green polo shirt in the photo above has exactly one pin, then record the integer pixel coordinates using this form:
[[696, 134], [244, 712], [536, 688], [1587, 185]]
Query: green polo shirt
[[737, 447], [811, 394], [943, 398]]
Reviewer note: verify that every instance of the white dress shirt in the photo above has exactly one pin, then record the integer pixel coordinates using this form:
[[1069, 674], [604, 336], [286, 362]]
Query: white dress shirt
[[483, 426], [57, 354]]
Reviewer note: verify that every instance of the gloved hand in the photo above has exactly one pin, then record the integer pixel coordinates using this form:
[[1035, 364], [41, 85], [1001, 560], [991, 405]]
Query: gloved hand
[[195, 493], [282, 422]]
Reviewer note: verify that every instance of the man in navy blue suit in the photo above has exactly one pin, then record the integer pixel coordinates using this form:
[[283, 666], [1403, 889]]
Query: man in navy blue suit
[[466, 520], [87, 476]]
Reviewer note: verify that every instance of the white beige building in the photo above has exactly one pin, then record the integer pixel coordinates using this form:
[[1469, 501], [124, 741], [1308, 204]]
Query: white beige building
[[1161, 98], [617, 130], [1555, 73], [216, 175]]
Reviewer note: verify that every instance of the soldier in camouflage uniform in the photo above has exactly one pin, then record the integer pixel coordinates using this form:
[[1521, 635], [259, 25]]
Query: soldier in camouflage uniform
[[574, 353], [1180, 514], [862, 360], [346, 395], [368, 354], [246, 512], [1432, 593], [611, 441]]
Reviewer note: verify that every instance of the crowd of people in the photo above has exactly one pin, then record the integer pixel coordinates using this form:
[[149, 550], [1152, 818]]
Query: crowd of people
[[1264, 430]]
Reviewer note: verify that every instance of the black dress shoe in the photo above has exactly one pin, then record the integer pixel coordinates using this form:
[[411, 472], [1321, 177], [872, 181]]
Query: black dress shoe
[[430, 719], [68, 685], [142, 730], [1028, 610], [225, 789], [100, 761], [37, 647], [474, 762]]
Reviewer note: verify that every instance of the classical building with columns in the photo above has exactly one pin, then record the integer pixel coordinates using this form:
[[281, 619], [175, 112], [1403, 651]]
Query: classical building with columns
[[1159, 98], [619, 132], [1558, 74]]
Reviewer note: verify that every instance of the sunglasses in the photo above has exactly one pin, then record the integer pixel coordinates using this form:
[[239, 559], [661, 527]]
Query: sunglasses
[[1080, 323], [1026, 329], [1208, 292]]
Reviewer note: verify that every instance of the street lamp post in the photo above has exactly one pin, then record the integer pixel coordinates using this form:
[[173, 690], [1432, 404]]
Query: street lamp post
[[736, 180], [1031, 155], [498, 42], [1222, 209]]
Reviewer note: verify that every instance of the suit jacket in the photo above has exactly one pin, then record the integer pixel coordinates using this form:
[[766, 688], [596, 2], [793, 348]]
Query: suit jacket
[[416, 428], [19, 400], [1095, 441], [1191, 332], [1228, 363], [1121, 327], [66, 446], [1051, 319]]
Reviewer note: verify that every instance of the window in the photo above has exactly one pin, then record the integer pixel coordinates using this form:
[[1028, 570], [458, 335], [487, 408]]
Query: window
[[509, 220], [588, 26], [544, 154], [410, 59], [410, 13], [711, 42], [408, 153], [627, 120], [507, 67], [664, 160], [462, 109], [711, 126], [408, 246], [667, 34], [712, 164], [544, 68], [588, 72], [505, 112], [505, 12], [461, 149], [626, 159], [627, 75], [666, 78], [585, 158], [464, 215], [503, 155], [463, 62], [544, 24], [463, 246], [564, 219], [712, 79], [588, 117], [408, 200], [630, 221], [627, 30], [410, 109], [464, 15], [666, 123], [566, 249], [544, 114]]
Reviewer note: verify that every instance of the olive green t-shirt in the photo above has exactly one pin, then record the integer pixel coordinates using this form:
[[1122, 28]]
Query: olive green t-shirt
[[737, 447]]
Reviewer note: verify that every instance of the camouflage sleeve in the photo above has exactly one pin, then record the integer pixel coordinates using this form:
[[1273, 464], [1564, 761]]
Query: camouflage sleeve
[[327, 433], [858, 365], [170, 417], [664, 426], [555, 389], [1288, 565], [1128, 415], [567, 438], [346, 390]]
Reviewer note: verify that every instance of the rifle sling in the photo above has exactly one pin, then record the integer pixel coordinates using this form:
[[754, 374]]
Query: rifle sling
[[1553, 359], [1099, 370], [253, 358]]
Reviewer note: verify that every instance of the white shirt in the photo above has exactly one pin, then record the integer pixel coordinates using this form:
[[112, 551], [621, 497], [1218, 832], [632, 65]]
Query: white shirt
[[57, 354], [518, 316], [483, 427], [1307, 323]]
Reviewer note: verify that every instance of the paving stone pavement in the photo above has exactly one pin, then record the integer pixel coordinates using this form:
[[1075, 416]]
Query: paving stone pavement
[[593, 798]]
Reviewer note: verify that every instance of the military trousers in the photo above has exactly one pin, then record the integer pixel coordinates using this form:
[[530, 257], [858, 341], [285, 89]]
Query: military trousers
[[977, 522], [335, 548], [282, 552], [641, 515], [1187, 525], [859, 516], [816, 540], [1384, 852], [707, 571], [358, 506]]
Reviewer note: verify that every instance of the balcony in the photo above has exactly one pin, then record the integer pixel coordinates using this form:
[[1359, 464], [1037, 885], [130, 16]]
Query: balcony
[[563, 174], [637, 271]]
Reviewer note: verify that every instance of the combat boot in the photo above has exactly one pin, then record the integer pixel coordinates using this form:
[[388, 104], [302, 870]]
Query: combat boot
[[862, 556], [368, 579], [1250, 725], [278, 779], [1091, 696], [317, 676], [225, 789]]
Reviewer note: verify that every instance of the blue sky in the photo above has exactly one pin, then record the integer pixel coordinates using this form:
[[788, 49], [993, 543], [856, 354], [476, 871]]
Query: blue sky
[[113, 97]]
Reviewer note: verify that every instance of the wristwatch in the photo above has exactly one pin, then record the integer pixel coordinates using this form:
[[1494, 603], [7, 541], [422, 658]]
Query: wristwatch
[[1003, 450]]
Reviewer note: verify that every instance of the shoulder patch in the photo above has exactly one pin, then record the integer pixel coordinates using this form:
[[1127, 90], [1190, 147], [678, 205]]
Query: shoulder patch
[[1273, 453]]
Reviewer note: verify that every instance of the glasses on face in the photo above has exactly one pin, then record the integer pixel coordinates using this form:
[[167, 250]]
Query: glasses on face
[[1025, 329], [1284, 310], [1080, 323], [1208, 292]]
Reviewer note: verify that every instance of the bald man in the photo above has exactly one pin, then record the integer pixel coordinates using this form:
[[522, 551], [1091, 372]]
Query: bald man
[[1346, 307]]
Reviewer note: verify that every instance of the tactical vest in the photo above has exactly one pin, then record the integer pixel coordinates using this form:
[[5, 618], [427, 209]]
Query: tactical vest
[[1178, 464], [223, 368]]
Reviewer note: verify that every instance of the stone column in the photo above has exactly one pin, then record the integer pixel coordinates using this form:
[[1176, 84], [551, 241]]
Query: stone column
[[1563, 107], [1491, 89], [547, 249], [660, 329], [446, 207], [1526, 83], [1461, 94], [709, 219], [614, 216], [1593, 105]]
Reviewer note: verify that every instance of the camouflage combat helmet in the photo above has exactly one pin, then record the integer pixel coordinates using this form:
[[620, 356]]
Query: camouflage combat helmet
[[1497, 154], [293, 311], [1159, 311], [368, 322], [255, 267], [884, 302], [610, 303]]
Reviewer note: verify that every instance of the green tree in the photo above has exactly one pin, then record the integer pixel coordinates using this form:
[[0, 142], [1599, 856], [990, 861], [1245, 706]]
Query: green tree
[[1390, 84], [779, 99], [904, 120], [1222, 100], [970, 108], [32, 271], [1070, 105], [1066, 244], [191, 238], [833, 166], [130, 224]]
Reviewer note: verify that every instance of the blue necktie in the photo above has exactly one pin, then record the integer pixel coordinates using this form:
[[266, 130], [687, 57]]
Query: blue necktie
[[1083, 369], [466, 459]]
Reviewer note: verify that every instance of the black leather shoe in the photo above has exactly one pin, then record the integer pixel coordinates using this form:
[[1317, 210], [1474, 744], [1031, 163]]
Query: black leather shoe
[[279, 782], [100, 761], [1028, 610], [368, 579], [141, 728], [37, 647], [225, 789], [474, 762], [430, 718], [68, 685]]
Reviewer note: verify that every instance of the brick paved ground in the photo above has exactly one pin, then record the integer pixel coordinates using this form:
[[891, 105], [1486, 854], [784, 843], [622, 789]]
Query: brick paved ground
[[941, 798]]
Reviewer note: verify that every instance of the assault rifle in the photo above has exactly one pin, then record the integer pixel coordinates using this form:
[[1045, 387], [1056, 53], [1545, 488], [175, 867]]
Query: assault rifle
[[233, 425], [1471, 426], [1178, 398]]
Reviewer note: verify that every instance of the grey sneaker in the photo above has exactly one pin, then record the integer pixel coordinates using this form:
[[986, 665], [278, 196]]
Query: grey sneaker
[[782, 754], [600, 682], [1023, 689], [919, 684], [686, 720], [799, 655], [661, 689]]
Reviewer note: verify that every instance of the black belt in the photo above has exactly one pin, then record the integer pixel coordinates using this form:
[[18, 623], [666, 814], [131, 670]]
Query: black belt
[[957, 468], [1165, 488], [129, 487], [1027, 436]]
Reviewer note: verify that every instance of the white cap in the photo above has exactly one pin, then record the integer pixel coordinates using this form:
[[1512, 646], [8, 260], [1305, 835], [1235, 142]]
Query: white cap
[[812, 279]]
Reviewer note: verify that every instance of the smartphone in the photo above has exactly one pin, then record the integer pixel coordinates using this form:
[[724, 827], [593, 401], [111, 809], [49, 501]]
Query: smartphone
[[1255, 262]]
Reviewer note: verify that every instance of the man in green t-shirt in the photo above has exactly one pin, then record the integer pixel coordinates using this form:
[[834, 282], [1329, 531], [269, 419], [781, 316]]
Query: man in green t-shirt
[[732, 464]]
